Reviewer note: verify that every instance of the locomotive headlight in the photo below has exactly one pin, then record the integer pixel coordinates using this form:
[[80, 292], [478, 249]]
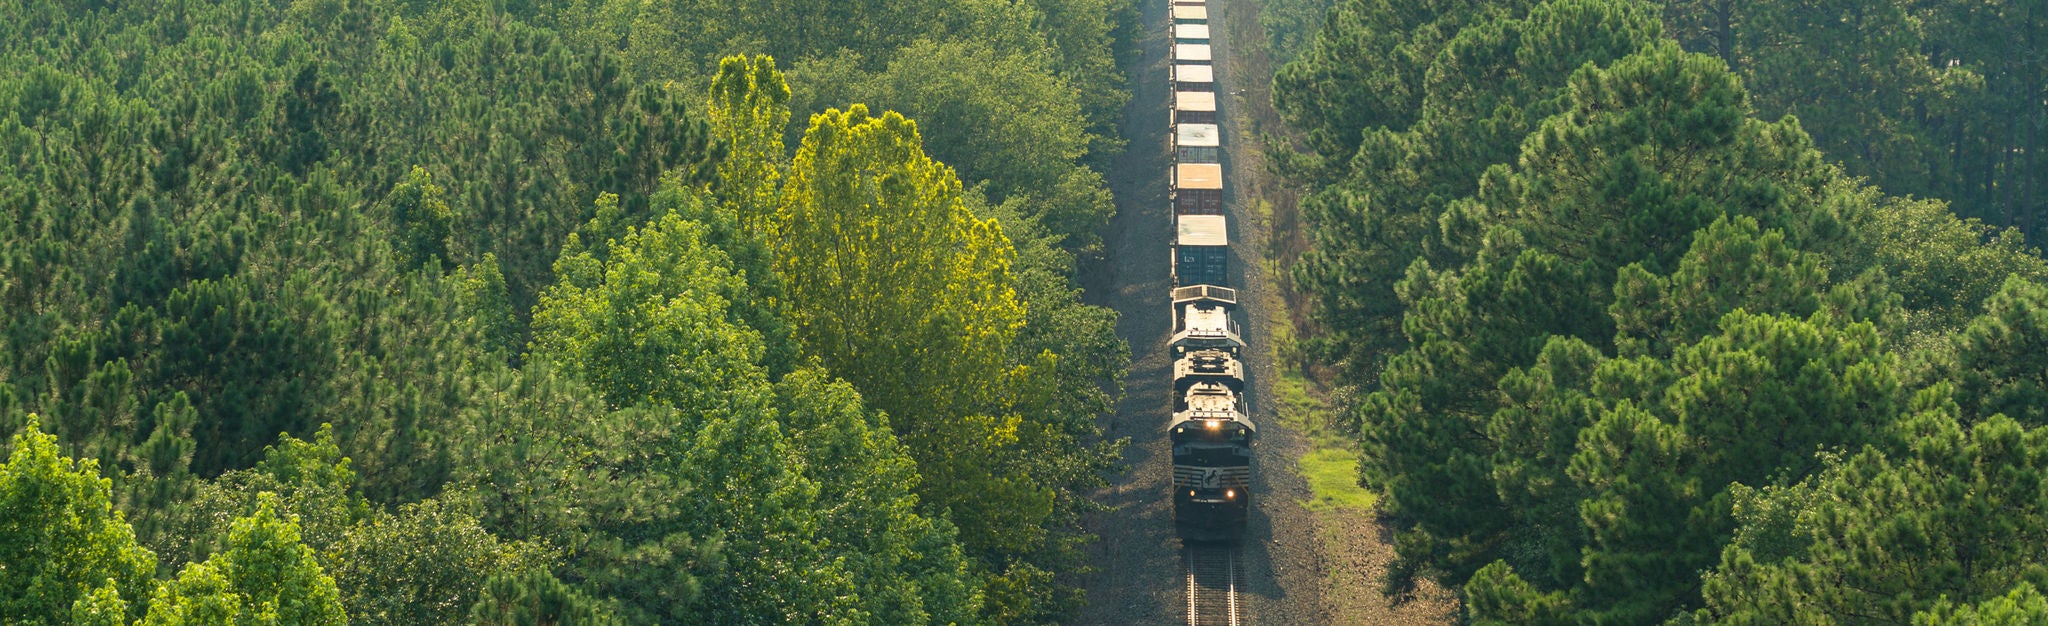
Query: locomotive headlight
[[1213, 424]]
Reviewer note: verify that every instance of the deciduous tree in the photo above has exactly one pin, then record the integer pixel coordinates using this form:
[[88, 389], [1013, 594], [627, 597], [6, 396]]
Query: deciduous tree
[[263, 575], [62, 541]]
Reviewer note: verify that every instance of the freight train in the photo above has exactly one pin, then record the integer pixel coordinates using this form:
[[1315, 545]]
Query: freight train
[[1211, 427]]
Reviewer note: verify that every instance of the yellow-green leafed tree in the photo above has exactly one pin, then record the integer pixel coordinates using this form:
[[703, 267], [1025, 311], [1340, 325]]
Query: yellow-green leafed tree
[[897, 285], [749, 108], [266, 575], [900, 289], [66, 556]]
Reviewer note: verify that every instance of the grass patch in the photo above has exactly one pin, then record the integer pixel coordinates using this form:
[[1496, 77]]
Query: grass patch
[[1331, 465], [1300, 407], [1332, 475]]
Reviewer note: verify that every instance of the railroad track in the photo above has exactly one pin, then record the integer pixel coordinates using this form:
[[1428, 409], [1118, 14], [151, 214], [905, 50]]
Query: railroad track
[[1212, 586]]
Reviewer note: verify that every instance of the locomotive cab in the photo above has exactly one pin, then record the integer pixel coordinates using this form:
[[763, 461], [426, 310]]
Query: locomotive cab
[[1212, 439]]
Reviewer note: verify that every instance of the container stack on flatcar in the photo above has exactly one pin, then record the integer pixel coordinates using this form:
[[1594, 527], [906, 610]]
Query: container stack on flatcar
[[1197, 188], [1211, 427], [1197, 143], [1196, 78], [1195, 107]]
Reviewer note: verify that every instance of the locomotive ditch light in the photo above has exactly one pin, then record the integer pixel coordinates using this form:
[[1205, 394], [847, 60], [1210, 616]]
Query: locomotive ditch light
[[1230, 493]]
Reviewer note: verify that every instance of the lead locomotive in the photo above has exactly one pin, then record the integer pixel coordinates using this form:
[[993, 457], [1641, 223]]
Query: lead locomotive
[[1211, 430]]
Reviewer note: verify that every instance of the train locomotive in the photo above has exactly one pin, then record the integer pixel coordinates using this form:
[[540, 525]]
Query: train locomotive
[[1211, 428]]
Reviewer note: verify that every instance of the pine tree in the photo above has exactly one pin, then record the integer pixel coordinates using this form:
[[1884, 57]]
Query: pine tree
[[2023, 605], [535, 597], [2001, 358], [1949, 514]]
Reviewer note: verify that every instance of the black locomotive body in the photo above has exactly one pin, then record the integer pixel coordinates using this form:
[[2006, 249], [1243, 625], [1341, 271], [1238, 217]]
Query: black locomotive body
[[1211, 430]]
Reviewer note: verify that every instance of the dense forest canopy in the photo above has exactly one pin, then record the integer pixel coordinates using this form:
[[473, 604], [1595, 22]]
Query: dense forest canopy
[[1695, 312], [551, 311]]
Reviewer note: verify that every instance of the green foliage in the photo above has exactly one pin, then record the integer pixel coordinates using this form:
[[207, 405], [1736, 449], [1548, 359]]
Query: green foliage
[[970, 102], [901, 290], [70, 558], [1650, 150], [1291, 25], [250, 395], [326, 225], [806, 496], [232, 254], [1498, 596], [887, 268], [310, 480], [201, 595], [1853, 74], [2001, 358], [1038, 76], [686, 41], [1730, 266], [1073, 365], [1928, 99], [1537, 433], [909, 569], [421, 218], [550, 465], [264, 575], [1365, 70], [1609, 328], [649, 323], [1949, 517], [486, 306], [1639, 156], [647, 326], [103, 607], [1756, 400], [536, 597], [1481, 96], [1935, 261], [900, 286], [748, 111], [2023, 605], [749, 108], [426, 564]]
